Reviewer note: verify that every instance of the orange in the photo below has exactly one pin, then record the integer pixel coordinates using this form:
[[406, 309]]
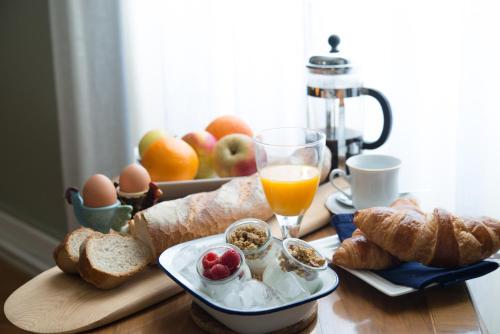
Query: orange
[[170, 159], [226, 125]]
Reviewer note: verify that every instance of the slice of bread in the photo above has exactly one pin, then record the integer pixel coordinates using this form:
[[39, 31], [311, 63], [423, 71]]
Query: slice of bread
[[108, 260], [67, 253]]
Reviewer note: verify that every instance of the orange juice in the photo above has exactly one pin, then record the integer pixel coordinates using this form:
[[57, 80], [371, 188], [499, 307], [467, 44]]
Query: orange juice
[[289, 189]]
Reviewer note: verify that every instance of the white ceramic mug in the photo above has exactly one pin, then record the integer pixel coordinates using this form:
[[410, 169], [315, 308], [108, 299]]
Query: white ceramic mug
[[373, 179]]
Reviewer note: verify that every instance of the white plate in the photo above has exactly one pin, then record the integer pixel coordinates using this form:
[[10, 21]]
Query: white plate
[[327, 246]]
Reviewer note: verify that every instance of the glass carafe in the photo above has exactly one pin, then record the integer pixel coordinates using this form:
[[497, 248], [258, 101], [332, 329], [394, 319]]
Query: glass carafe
[[335, 105]]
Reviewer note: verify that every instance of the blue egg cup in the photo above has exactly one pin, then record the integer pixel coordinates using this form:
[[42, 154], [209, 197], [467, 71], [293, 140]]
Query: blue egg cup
[[101, 219]]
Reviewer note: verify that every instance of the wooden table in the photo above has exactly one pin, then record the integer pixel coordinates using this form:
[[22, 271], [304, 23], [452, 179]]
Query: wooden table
[[353, 307]]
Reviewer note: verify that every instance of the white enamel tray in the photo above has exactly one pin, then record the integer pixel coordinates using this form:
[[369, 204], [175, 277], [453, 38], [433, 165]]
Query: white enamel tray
[[259, 320]]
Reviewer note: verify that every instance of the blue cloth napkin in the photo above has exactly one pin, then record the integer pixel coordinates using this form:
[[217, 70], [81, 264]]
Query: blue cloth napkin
[[415, 274]]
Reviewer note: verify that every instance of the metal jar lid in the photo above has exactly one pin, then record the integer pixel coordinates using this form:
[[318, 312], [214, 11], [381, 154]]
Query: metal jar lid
[[331, 63]]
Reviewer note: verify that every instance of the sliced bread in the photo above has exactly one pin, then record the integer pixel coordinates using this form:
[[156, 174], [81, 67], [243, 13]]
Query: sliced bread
[[67, 253], [108, 260]]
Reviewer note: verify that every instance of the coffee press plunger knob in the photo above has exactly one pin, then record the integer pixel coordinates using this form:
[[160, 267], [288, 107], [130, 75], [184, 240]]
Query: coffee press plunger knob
[[334, 41]]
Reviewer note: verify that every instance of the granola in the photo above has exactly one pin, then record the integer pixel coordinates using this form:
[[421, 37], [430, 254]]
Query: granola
[[306, 255], [248, 237], [286, 265]]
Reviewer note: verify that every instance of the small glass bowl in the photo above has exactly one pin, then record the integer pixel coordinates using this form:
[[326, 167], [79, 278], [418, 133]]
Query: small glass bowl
[[289, 263], [216, 288], [257, 258]]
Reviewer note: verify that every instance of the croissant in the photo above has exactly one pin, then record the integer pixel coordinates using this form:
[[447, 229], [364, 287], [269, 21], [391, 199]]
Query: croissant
[[438, 239], [357, 252]]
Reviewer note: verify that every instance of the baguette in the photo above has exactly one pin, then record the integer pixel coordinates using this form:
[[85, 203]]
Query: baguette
[[108, 260], [198, 215], [67, 253]]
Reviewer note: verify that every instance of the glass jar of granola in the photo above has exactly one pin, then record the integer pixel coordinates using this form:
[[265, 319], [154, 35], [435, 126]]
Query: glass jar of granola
[[222, 268], [253, 237], [294, 273]]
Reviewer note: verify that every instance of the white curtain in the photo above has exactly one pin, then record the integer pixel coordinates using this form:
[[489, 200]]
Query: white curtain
[[190, 61], [93, 118], [436, 61]]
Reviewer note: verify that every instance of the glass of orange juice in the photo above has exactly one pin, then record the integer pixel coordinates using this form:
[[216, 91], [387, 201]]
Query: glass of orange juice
[[289, 164]]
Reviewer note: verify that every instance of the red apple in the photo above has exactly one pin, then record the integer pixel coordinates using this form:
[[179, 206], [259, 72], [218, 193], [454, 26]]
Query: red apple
[[203, 143], [234, 155]]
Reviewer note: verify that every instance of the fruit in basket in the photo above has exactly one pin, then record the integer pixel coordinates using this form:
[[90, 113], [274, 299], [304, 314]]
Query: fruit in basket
[[150, 137], [234, 155], [170, 159], [228, 124], [203, 143]]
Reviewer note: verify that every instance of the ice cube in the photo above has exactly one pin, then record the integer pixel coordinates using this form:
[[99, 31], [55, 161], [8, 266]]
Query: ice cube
[[185, 263], [246, 295], [258, 295], [286, 284], [189, 273], [187, 256], [290, 288], [247, 298], [219, 292], [233, 300]]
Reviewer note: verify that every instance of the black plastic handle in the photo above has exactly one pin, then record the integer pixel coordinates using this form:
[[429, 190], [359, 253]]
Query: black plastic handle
[[387, 113]]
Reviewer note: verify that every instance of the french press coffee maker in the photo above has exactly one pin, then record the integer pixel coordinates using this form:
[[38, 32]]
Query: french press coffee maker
[[335, 105]]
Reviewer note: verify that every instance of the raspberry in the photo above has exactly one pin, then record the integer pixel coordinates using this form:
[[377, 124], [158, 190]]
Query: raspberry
[[210, 260], [231, 259], [207, 273], [219, 271]]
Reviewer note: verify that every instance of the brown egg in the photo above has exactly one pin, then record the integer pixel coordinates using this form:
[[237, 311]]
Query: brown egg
[[99, 191], [134, 179]]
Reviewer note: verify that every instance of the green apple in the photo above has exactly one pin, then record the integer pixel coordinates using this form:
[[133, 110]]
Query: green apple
[[150, 137]]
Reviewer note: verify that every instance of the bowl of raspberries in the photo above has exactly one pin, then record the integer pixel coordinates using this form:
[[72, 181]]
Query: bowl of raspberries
[[222, 264]]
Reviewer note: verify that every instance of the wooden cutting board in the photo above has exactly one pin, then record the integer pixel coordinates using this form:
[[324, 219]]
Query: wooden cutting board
[[54, 302]]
